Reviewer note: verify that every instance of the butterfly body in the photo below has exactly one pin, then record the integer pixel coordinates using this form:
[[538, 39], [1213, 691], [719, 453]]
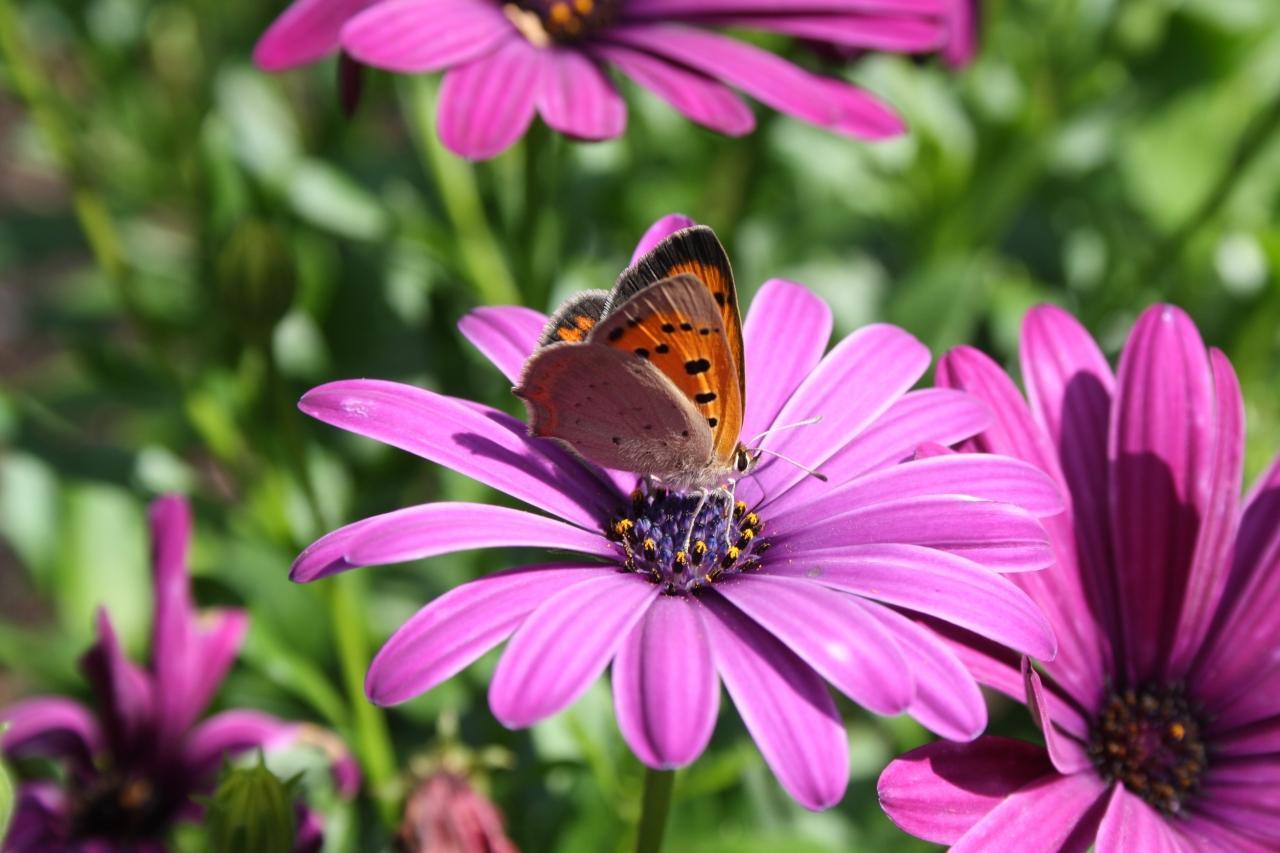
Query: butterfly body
[[648, 378]]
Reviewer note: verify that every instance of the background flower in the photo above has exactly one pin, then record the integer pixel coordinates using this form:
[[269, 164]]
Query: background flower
[[767, 610], [1160, 711], [136, 760], [506, 62]]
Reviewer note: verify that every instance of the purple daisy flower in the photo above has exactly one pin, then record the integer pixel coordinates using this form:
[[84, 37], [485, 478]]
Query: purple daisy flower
[[810, 591], [506, 61], [134, 766], [1161, 712]]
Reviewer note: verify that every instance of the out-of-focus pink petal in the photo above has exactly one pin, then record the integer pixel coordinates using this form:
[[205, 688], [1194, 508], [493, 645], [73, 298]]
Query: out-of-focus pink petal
[[564, 645], [939, 791], [576, 98], [487, 445], [53, 726], [125, 699], [831, 632], [947, 699], [487, 104], [429, 530], [308, 30], [963, 25], [665, 689], [932, 582], [1066, 753], [418, 36], [895, 34], [1130, 824], [229, 734], [507, 335], [777, 359], [668, 9], [1161, 450], [998, 536], [458, 627], [1058, 813], [764, 76], [696, 96], [41, 814], [784, 705]]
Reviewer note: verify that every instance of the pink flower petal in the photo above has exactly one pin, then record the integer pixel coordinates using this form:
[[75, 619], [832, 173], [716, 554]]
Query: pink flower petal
[[124, 694], [451, 632], [978, 475], [230, 733], [576, 98], [947, 701], [935, 583], [52, 726], [1131, 825], [1059, 813], [848, 390], [418, 36], [564, 645], [830, 632], [659, 231], [668, 9], [665, 688], [1161, 450], [308, 30], [507, 335], [696, 96], [428, 530], [895, 34], [1066, 753], [484, 444], [777, 360], [487, 104], [784, 704], [941, 790], [998, 536]]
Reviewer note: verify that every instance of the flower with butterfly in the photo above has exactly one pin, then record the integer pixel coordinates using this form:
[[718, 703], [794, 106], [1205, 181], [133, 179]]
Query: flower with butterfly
[[685, 557], [504, 62]]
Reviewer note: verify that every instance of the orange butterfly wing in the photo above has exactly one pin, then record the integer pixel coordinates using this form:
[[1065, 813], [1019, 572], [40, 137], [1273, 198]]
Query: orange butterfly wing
[[677, 325], [696, 251]]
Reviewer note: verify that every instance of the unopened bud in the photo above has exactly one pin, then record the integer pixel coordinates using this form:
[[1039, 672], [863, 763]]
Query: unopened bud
[[252, 812], [444, 814]]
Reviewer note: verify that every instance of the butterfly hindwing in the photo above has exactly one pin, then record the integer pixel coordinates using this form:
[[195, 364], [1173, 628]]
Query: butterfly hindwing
[[676, 325], [574, 318], [695, 250], [612, 408]]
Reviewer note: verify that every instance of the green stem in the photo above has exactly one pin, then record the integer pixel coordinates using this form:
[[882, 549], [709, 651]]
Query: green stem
[[654, 808], [479, 253], [373, 741]]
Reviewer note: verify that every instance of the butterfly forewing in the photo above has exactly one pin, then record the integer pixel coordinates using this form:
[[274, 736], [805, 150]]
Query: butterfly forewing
[[676, 325], [696, 251]]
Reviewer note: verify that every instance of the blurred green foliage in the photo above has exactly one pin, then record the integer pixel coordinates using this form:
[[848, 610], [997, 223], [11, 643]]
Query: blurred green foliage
[[188, 244]]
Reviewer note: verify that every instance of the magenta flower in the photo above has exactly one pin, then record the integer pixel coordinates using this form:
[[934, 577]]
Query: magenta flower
[[506, 61], [1162, 710], [809, 591], [133, 767]]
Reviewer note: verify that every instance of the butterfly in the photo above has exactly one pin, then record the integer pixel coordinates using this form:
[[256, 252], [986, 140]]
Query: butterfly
[[648, 377]]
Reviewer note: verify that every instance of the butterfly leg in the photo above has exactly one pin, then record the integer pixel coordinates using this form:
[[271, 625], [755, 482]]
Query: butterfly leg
[[693, 521]]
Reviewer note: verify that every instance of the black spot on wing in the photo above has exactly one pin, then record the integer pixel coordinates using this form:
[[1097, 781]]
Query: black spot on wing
[[696, 366], [704, 398]]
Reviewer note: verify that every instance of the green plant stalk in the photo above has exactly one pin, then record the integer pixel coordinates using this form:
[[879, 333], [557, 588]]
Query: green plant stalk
[[654, 806], [454, 179]]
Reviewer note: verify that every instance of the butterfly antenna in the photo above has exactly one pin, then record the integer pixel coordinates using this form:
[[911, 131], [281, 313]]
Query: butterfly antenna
[[812, 472], [806, 422]]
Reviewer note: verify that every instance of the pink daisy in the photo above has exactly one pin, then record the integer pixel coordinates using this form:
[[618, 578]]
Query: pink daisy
[[807, 591], [504, 62], [1161, 713]]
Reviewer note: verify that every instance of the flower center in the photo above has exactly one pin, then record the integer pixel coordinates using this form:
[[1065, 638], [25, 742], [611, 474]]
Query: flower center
[[1149, 740], [120, 807], [722, 537], [545, 21]]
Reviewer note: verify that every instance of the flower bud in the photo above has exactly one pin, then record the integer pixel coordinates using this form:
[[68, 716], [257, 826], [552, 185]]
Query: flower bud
[[444, 814], [252, 811]]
